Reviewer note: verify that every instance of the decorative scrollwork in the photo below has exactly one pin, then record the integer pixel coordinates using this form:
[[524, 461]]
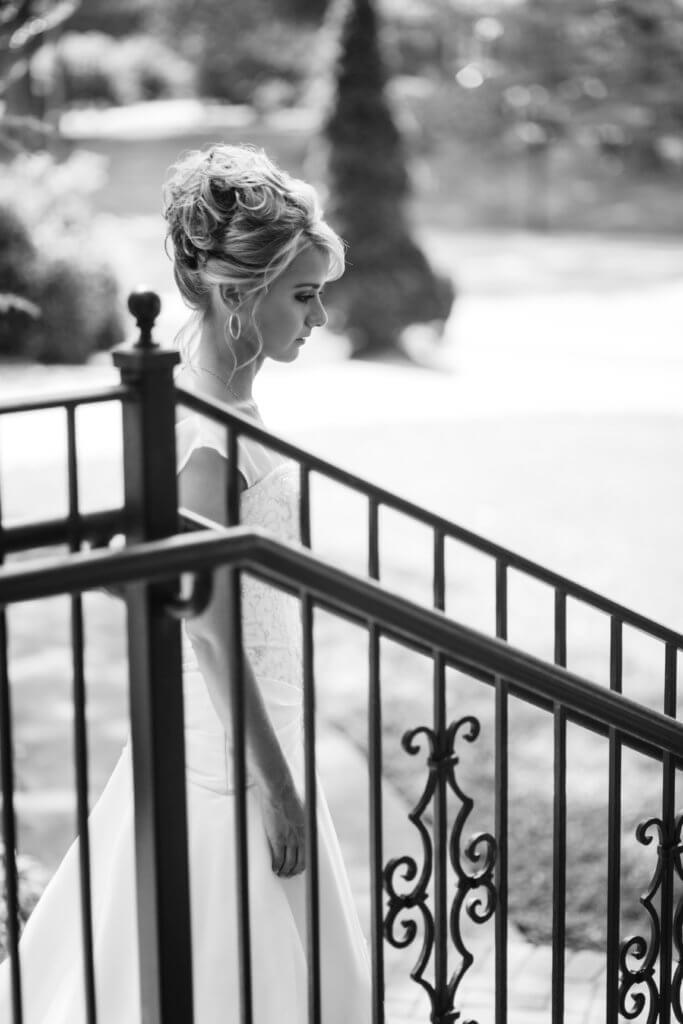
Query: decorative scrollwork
[[677, 980], [416, 897], [638, 957], [473, 865]]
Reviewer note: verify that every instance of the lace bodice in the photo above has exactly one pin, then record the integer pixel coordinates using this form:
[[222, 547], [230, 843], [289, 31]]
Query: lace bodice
[[271, 620]]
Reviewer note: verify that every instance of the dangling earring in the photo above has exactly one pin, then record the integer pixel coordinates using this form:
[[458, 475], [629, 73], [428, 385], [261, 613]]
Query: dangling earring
[[234, 326]]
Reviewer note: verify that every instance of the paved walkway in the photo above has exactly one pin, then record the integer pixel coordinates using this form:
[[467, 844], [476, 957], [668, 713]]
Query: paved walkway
[[343, 769]]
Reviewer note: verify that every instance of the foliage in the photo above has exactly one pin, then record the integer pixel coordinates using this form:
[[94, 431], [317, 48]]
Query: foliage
[[125, 17], [23, 27], [241, 47], [313, 10], [78, 64], [66, 304], [78, 301], [32, 879], [17, 263], [91, 67], [602, 75], [389, 283]]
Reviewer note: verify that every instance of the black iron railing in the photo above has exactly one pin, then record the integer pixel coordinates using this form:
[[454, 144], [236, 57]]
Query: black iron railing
[[149, 568], [448, 644], [563, 589], [73, 531]]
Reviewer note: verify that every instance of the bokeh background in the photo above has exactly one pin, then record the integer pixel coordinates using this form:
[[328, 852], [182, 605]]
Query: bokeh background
[[504, 350]]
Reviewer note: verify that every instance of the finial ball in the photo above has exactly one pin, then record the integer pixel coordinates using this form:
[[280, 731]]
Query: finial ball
[[145, 306]]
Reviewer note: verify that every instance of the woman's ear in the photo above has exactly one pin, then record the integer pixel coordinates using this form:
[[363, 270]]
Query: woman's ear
[[229, 296]]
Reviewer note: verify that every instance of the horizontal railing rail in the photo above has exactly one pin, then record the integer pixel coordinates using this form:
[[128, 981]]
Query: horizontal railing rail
[[67, 399], [226, 415], [359, 599], [76, 528], [93, 528]]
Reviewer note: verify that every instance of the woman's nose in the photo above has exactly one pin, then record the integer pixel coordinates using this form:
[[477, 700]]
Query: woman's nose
[[317, 316]]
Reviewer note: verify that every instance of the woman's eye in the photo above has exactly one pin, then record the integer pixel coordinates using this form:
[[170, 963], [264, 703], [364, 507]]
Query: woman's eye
[[304, 298]]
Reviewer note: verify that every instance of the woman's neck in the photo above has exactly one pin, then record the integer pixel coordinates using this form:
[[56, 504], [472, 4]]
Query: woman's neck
[[214, 363]]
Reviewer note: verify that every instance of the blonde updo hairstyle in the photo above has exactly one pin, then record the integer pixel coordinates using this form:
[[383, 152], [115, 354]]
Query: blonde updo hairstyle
[[236, 219]]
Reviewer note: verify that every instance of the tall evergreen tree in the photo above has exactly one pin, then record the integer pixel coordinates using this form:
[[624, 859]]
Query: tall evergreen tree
[[389, 283]]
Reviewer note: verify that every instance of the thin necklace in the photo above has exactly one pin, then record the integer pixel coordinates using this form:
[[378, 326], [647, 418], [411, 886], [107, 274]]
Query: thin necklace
[[225, 385]]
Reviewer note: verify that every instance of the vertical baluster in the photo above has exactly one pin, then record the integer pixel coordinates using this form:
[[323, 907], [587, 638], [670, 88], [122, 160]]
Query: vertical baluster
[[239, 744], [501, 600], [2, 526], [560, 628], [501, 807], [233, 496], [559, 817], [376, 838], [8, 819], [559, 861], [614, 834], [373, 538], [312, 874], [442, 1004], [439, 587], [440, 800], [501, 826], [305, 505], [239, 763], [80, 732], [81, 764], [9, 825], [668, 819]]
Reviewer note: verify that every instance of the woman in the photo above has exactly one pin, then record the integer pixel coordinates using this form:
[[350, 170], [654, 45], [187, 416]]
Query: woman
[[251, 255]]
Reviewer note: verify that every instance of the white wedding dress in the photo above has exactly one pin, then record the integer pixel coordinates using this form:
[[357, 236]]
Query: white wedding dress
[[50, 948]]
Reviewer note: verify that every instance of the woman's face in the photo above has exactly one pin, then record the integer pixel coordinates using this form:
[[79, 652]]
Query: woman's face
[[292, 306]]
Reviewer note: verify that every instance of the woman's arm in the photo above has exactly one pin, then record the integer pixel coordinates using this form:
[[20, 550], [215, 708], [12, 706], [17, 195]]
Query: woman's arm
[[203, 486]]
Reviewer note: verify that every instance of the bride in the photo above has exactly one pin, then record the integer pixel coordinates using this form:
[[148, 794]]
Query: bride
[[251, 256]]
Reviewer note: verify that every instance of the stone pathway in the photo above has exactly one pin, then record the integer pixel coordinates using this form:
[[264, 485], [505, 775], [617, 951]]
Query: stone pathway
[[343, 769]]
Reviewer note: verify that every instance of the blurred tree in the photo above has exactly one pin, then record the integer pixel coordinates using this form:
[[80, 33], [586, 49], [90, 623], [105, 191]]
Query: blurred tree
[[115, 19], [54, 305], [389, 283], [240, 46], [24, 25], [602, 69], [311, 10]]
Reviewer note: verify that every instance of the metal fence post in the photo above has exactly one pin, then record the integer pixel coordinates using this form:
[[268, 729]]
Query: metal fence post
[[156, 698]]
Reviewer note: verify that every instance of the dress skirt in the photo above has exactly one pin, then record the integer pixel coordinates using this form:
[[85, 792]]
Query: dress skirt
[[51, 947]]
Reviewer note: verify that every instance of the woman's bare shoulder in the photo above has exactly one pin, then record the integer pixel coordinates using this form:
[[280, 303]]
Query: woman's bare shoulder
[[203, 484]]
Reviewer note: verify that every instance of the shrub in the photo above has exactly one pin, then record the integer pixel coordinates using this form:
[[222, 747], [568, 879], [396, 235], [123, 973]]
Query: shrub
[[17, 265], [270, 51], [143, 68], [17, 252], [66, 302], [116, 19], [91, 67], [74, 321], [32, 878], [79, 65]]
